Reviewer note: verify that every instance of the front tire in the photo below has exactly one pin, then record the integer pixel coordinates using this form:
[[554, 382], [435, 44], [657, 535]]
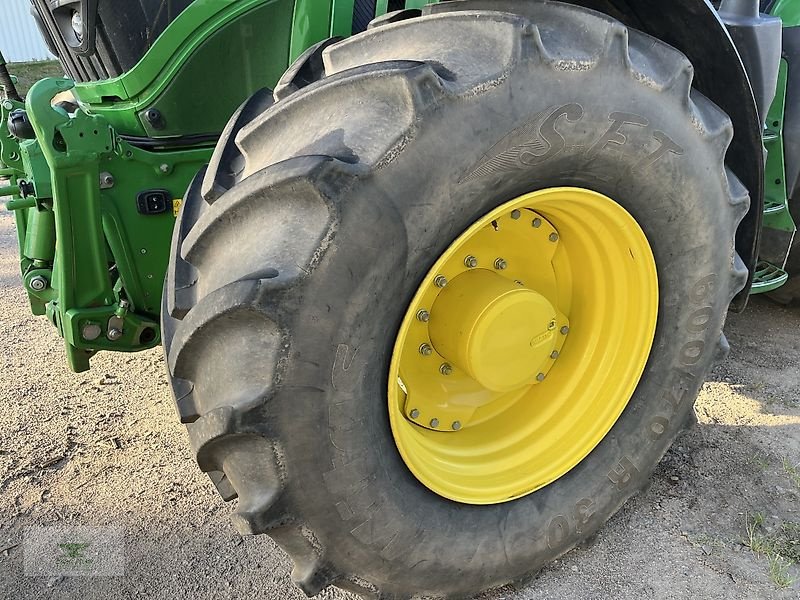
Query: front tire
[[299, 252]]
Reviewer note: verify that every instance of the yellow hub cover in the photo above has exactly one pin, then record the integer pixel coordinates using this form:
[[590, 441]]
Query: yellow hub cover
[[494, 329], [523, 345]]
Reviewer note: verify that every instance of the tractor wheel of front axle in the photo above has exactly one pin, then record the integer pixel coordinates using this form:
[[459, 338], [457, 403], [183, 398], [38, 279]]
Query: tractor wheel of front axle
[[438, 312]]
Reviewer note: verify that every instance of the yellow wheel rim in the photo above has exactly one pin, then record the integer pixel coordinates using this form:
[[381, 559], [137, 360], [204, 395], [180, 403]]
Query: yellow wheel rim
[[523, 345]]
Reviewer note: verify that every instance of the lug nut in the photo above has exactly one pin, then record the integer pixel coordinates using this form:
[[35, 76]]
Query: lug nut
[[564, 330], [114, 334], [38, 283], [471, 262], [540, 377], [440, 281], [425, 350], [434, 423], [445, 369], [515, 214], [456, 425], [91, 331], [500, 264], [106, 180], [423, 316], [553, 237], [537, 223], [414, 413], [554, 354]]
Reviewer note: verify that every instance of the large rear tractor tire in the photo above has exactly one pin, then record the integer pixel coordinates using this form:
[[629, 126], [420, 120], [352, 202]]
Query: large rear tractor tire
[[438, 312]]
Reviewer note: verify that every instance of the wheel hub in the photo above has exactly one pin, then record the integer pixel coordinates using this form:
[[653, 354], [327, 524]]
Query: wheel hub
[[523, 345], [495, 330]]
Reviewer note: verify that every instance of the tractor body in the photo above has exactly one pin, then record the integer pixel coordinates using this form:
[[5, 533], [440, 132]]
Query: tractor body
[[100, 183], [448, 264]]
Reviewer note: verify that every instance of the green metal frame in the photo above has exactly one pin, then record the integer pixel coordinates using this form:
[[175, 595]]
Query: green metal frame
[[769, 277], [788, 11], [776, 204], [89, 260], [102, 262]]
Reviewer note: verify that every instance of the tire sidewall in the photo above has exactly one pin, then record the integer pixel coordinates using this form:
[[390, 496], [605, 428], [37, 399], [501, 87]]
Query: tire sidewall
[[393, 225]]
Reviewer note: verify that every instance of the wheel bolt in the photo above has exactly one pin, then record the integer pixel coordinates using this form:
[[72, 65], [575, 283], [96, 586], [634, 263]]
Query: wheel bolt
[[91, 331], [440, 281], [553, 237], [414, 413], [537, 223], [564, 330], [554, 354], [540, 377], [423, 316], [445, 369], [425, 350], [515, 214], [106, 180], [500, 264], [456, 425], [38, 283], [434, 423], [471, 262]]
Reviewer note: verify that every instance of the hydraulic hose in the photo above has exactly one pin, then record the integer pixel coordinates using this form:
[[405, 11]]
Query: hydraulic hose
[[7, 82]]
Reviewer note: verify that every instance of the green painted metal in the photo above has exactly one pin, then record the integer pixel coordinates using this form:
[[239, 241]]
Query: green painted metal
[[342, 18], [776, 203], [10, 155], [381, 7], [103, 263], [183, 70], [767, 278], [788, 11], [311, 23]]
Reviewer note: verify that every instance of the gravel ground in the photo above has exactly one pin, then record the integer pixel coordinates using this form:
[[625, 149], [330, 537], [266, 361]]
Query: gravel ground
[[105, 448]]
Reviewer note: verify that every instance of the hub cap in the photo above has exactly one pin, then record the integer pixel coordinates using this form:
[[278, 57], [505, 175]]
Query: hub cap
[[523, 345]]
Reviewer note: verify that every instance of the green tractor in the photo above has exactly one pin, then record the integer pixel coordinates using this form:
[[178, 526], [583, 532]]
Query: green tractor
[[437, 283]]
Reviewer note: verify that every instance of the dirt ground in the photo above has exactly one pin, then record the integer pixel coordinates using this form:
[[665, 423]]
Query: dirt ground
[[105, 448]]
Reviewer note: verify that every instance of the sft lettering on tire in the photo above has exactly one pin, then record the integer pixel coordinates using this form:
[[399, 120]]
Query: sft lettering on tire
[[540, 140]]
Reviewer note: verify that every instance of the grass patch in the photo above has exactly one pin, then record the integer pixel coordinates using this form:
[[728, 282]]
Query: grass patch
[[779, 570], [760, 461], [28, 73], [781, 548], [792, 472]]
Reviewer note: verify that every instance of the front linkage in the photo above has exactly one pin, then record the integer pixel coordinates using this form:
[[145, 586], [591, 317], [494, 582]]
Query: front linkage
[[96, 188], [91, 260]]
